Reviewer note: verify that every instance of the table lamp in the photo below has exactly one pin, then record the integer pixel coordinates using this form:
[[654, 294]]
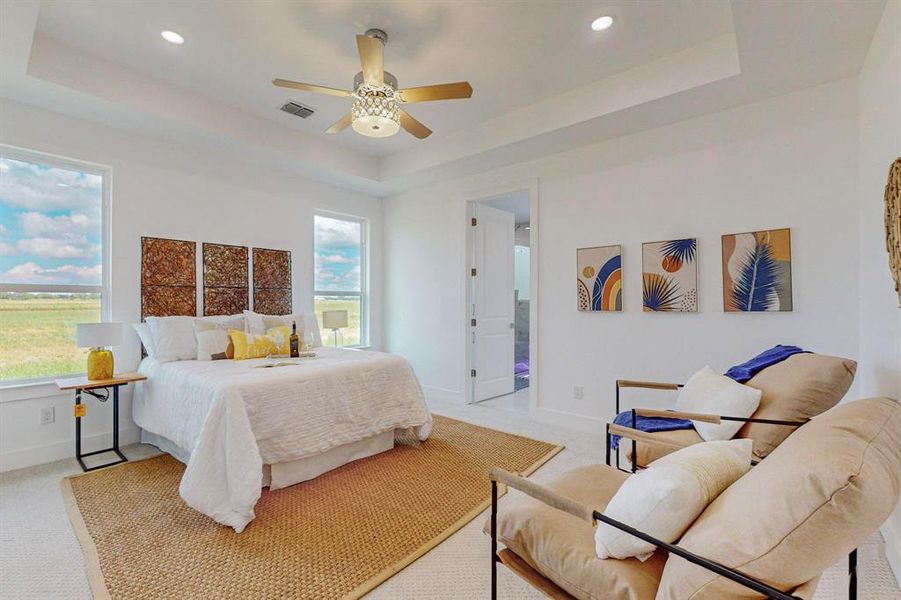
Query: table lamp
[[97, 336], [335, 320]]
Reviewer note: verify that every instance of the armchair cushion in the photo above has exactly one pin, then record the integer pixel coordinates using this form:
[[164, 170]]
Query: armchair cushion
[[814, 499], [561, 546], [800, 387], [664, 499]]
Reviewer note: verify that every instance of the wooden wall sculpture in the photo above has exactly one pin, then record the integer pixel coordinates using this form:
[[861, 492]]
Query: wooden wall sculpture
[[168, 277], [225, 285], [893, 223], [271, 281]]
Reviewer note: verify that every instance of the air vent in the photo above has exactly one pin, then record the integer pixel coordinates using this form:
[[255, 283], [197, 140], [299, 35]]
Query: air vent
[[298, 110]]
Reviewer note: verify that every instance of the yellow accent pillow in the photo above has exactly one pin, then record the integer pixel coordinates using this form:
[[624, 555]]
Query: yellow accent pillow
[[252, 345]]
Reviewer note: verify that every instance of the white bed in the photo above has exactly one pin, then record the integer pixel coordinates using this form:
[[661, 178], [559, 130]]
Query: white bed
[[239, 429]]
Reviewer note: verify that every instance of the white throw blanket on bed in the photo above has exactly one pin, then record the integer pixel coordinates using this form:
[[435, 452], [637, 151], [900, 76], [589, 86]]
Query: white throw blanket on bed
[[233, 418]]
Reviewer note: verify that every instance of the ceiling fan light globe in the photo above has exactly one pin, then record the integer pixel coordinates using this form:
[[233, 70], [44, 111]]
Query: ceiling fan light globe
[[375, 116], [375, 126]]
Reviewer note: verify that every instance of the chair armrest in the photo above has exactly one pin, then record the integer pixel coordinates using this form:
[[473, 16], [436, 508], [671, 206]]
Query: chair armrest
[[650, 385], [540, 492], [675, 414], [715, 419], [577, 509], [641, 436]]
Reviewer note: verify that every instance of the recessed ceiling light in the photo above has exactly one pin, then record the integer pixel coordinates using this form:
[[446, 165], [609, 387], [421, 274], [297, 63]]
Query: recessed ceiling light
[[602, 23], [174, 38]]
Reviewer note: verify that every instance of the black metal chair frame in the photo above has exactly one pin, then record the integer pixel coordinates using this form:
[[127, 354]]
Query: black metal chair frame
[[516, 482]]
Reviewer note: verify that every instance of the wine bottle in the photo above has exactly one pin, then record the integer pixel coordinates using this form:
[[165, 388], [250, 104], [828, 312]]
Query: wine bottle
[[295, 341]]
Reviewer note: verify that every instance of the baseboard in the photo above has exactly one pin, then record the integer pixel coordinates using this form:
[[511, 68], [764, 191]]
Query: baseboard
[[568, 420], [893, 546], [444, 395], [38, 455]]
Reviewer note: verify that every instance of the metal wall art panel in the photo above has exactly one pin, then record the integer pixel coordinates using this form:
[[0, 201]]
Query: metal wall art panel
[[272, 281], [168, 277], [225, 279]]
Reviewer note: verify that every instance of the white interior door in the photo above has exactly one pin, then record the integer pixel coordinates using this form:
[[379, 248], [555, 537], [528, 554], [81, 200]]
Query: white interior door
[[493, 306]]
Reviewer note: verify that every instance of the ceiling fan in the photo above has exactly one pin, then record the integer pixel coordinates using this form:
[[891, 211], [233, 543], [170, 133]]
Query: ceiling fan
[[376, 110]]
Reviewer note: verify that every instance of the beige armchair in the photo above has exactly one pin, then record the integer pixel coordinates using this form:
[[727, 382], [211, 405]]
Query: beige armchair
[[771, 534], [794, 390]]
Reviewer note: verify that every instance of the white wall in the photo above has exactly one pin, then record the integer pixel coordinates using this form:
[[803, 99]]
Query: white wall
[[880, 144], [786, 162], [167, 190]]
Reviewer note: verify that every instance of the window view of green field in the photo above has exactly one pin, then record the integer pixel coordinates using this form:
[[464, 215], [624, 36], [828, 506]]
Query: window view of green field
[[351, 334], [38, 333]]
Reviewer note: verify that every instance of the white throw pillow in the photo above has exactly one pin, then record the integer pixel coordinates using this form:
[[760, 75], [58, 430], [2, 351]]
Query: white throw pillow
[[305, 323], [173, 338], [212, 338], [254, 323], [665, 499], [709, 392], [143, 331]]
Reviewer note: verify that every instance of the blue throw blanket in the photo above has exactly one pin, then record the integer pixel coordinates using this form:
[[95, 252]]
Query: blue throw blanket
[[746, 370], [647, 424], [740, 373]]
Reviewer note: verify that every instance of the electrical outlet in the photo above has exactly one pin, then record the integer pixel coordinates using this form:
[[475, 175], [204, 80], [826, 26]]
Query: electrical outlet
[[48, 415], [578, 392]]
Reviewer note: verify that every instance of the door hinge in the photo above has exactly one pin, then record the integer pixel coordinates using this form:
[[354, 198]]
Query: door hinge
[[472, 322], [473, 272], [475, 221], [472, 373]]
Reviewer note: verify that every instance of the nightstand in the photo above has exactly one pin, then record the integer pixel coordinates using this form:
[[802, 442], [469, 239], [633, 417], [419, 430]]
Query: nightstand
[[99, 389]]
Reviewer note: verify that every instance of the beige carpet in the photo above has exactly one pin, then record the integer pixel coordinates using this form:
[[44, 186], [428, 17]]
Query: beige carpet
[[337, 536]]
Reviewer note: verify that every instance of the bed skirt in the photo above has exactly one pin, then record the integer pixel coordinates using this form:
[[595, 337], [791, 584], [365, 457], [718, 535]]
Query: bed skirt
[[280, 475]]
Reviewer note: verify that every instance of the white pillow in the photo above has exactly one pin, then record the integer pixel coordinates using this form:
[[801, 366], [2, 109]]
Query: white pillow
[[212, 338], [226, 321], [143, 331], [665, 499], [709, 392], [260, 324], [254, 323], [173, 338]]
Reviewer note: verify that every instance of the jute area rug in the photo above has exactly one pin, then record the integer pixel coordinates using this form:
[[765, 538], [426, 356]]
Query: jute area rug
[[337, 536]]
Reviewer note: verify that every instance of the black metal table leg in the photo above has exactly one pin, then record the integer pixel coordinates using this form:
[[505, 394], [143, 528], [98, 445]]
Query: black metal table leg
[[115, 447]]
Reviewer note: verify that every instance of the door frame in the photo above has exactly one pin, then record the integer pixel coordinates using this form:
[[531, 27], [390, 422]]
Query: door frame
[[470, 199]]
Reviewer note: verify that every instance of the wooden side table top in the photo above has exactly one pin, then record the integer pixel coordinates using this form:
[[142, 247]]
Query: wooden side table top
[[83, 383]]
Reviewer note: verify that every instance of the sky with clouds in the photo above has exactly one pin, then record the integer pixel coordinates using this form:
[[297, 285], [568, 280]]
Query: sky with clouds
[[50, 224], [337, 259]]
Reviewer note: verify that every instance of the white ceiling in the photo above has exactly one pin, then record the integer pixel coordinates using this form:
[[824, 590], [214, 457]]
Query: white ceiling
[[511, 55], [543, 80]]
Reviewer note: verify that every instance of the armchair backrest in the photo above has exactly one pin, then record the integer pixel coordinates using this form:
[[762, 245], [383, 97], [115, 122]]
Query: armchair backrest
[[798, 388], [815, 498]]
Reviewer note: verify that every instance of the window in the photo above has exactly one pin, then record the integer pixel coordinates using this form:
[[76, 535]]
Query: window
[[340, 252], [51, 262]]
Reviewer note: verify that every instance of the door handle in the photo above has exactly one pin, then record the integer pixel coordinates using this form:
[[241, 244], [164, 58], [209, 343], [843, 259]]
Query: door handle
[[512, 325]]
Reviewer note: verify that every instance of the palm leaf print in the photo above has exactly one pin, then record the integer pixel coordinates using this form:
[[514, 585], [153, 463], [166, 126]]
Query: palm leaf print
[[755, 287], [682, 250], [659, 293]]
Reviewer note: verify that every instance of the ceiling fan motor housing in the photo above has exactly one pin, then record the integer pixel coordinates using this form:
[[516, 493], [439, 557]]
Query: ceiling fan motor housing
[[390, 80], [378, 34]]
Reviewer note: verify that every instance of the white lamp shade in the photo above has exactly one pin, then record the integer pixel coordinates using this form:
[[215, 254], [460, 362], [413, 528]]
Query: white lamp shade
[[96, 335], [334, 319]]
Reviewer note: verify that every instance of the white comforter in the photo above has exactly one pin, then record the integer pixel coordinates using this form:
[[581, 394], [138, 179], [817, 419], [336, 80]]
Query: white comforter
[[233, 418]]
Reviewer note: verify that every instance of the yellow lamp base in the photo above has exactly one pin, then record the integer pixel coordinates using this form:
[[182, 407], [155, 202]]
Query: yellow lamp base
[[100, 364]]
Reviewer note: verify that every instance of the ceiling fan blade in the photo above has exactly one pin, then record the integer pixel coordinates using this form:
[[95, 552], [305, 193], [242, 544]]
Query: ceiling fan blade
[[413, 126], [372, 57], [442, 91], [309, 87], [341, 125]]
